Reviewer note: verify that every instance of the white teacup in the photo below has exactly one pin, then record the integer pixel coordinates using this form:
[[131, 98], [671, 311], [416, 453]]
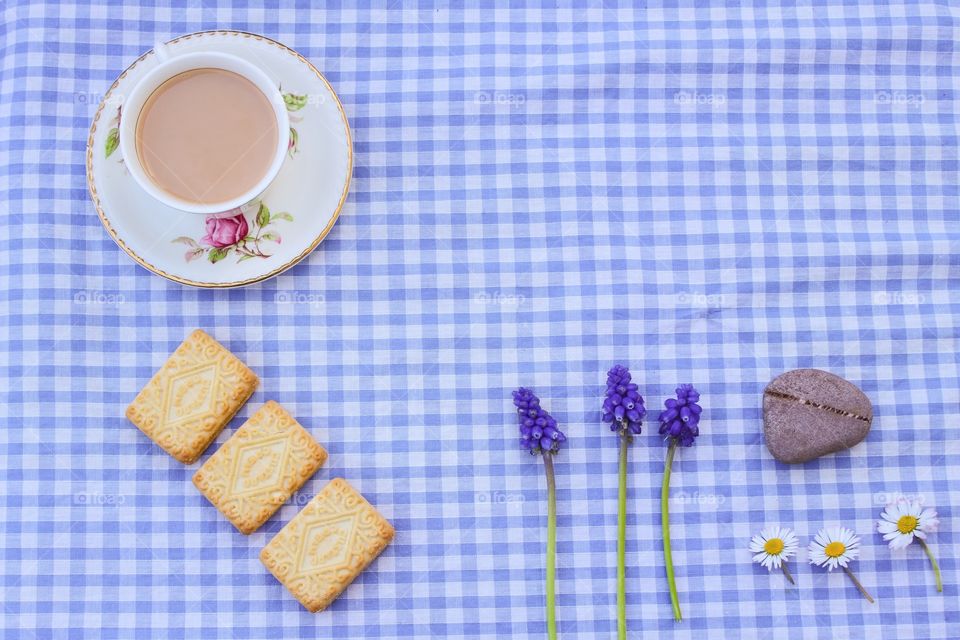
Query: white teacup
[[169, 67]]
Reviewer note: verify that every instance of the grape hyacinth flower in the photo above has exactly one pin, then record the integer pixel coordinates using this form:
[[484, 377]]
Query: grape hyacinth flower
[[680, 418], [538, 429], [623, 405], [623, 409], [539, 434], [679, 423]]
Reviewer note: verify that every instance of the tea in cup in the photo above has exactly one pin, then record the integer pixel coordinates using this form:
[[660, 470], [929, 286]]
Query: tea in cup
[[204, 132]]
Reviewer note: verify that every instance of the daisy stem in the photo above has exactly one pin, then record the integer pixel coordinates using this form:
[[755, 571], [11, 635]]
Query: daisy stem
[[665, 524], [859, 586], [551, 545], [786, 572], [933, 561], [622, 542]]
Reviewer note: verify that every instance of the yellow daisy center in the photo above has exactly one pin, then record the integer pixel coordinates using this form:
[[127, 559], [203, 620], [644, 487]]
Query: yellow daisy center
[[773, 546], [835, 549], [907, 524]]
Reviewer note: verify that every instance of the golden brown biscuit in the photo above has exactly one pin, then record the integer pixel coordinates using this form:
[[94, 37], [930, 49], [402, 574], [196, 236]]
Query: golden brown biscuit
[[326, 546], [259, 467], [194, 394]]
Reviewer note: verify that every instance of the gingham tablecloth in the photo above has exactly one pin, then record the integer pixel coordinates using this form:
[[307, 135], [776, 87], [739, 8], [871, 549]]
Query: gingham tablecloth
[[713, 195]]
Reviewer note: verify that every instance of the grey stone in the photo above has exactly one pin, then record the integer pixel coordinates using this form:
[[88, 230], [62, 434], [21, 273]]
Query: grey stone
[[808, 413]]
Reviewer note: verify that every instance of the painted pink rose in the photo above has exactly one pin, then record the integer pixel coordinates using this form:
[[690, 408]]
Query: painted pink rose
[[225, 232]]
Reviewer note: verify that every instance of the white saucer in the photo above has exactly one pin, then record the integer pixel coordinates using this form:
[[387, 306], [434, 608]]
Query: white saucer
[[292, 217]]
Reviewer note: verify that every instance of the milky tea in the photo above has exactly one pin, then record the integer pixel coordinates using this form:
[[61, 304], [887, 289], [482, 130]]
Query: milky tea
[[206, 135]]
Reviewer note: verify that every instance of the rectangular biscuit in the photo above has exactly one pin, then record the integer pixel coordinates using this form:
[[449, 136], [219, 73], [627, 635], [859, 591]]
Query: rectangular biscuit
[[327, 545], [192, 397], [259, 467]]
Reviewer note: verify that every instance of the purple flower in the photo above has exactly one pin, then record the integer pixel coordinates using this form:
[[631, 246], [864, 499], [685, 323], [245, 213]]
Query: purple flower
[[623, 405], [538, 429], [680, 418]]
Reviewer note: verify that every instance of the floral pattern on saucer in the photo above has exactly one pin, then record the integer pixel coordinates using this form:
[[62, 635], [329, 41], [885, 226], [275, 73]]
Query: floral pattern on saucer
[[228, 234], [113, 136], [294, 102]]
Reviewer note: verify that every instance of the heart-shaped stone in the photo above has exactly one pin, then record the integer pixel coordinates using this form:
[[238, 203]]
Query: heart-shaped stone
[[808, 413]]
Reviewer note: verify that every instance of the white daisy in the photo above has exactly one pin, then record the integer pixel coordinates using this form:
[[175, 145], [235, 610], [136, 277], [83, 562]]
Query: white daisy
[[837, 547], [834, 547], [905, 519], [773, 547]]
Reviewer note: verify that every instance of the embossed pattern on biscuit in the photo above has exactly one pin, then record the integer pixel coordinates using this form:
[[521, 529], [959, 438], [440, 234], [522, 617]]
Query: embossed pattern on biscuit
[[327, 545], [192, 397], [259, 467]]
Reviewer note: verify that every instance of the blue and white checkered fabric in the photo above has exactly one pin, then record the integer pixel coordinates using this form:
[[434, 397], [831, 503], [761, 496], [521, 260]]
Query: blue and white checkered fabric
[[712, 195]]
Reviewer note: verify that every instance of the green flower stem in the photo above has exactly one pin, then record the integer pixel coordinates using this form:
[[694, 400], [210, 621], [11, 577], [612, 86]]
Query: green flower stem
[[665, 523], [933, 561], [859, 586], [786, 572], [551, 545], [622, 542]]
